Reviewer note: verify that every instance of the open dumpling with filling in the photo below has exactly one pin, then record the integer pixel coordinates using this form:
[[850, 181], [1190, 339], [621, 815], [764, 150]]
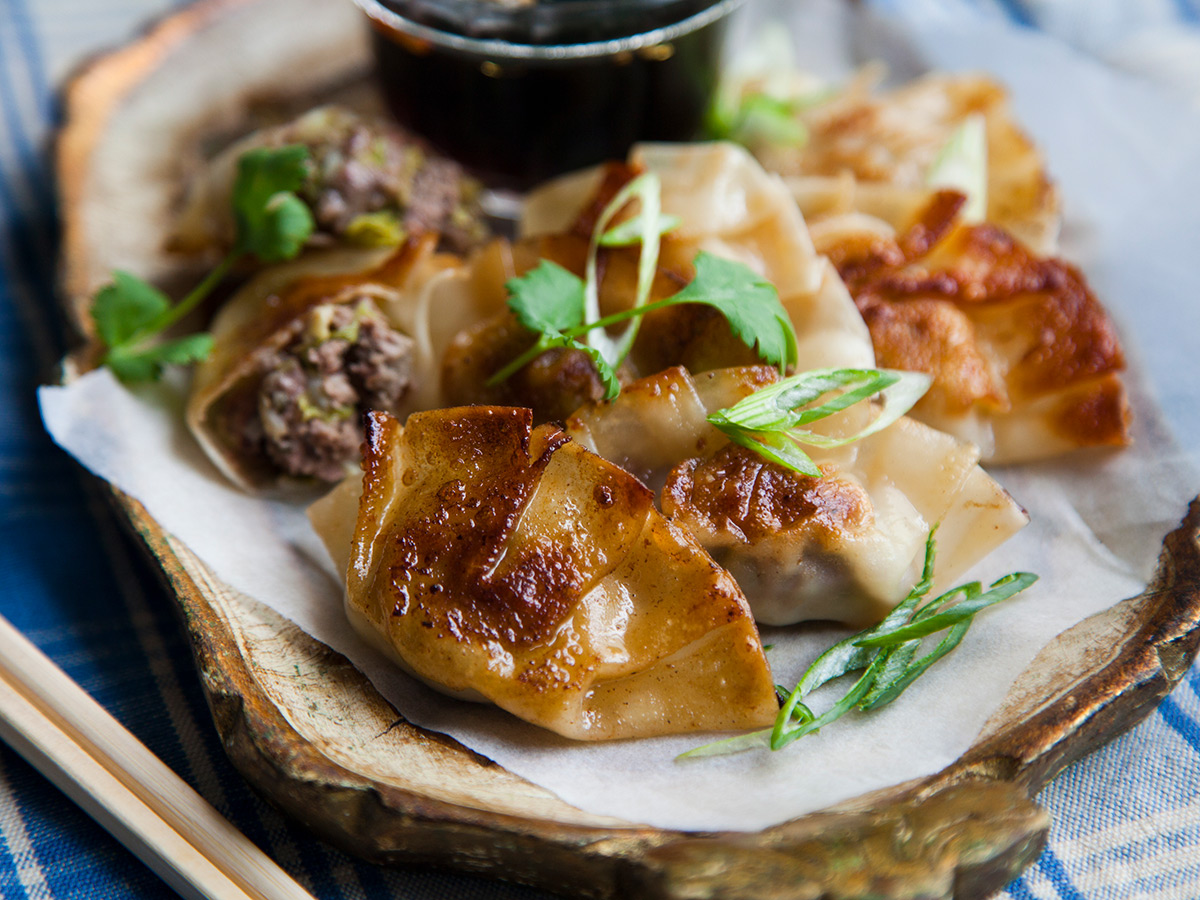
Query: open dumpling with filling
[[503, 562], [369, 184], [845, 546], [304, 348]]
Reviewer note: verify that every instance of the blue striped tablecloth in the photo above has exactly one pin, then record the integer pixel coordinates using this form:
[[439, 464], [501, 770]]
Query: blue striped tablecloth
[[1126, 820]]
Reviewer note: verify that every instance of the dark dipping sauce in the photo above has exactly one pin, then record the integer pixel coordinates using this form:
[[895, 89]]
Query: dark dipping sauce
[[519, 94]]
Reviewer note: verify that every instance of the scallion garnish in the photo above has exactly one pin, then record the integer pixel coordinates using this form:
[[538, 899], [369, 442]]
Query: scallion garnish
[[771, 421], [961, 165], [886, 655]]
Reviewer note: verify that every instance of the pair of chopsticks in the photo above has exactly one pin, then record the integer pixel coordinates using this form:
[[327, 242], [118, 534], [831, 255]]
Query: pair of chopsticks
[[73, 741]]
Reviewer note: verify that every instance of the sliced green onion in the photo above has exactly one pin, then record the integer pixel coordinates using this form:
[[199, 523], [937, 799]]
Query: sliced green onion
[[647, 189], [769, 421], [961, 165]]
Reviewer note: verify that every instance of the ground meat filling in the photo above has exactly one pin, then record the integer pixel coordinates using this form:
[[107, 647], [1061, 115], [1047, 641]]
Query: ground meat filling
[[365, 169], [344, 361]]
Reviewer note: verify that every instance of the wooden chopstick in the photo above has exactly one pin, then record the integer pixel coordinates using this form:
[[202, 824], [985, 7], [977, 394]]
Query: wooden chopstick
[[73, 741]]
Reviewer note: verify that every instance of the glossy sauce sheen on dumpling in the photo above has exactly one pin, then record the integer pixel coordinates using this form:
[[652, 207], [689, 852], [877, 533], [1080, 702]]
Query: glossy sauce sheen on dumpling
[[496, 560]]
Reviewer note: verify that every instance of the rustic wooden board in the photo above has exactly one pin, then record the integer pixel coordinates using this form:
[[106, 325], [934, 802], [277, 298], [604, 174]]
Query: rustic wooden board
[[309, 732]]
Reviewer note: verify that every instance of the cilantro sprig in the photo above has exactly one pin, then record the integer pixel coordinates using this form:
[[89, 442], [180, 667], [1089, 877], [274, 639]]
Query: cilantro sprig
[[272, 223], [886, 655], [563, 309], [771, 421]]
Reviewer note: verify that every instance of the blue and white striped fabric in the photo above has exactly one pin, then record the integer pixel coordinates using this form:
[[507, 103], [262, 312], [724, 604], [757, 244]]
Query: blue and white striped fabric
[[1127, 819]]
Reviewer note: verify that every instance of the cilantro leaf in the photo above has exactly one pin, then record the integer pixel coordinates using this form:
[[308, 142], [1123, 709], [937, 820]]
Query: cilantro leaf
[[132, 364], [546, 298], [185, 350], [272, 221], [748, 301], [550, 303], [608, 375], [123, 308], [549, 300]]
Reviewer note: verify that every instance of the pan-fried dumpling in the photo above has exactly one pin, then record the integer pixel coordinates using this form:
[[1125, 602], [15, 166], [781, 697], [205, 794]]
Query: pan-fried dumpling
[[504, 562], [1025, 360], [729, 206], [302, 350], [872, 151], [370, 184], [846, 546]]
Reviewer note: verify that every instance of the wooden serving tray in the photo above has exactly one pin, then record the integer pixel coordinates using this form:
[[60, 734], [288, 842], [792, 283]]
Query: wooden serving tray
[[310, 732]]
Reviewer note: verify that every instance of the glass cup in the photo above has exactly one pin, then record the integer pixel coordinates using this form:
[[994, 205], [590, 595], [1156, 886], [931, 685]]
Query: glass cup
[[519, 93]]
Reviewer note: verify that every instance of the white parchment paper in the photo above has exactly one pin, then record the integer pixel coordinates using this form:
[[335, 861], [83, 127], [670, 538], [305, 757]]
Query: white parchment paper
[[1128, 161]]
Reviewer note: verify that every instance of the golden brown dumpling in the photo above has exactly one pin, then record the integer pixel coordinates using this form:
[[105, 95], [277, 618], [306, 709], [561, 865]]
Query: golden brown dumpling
[[499, 561], [872, 152], [1025, 360], [846, 546]]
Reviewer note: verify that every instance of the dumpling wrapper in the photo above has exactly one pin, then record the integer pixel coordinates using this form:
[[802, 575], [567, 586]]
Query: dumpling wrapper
[[502, 562], [844, 547]]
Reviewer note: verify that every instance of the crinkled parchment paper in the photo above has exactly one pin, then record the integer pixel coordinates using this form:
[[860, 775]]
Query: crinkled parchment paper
[[1125, 158]]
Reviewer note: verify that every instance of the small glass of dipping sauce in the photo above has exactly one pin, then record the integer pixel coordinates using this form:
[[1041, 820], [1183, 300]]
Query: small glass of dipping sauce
[[520, 90]]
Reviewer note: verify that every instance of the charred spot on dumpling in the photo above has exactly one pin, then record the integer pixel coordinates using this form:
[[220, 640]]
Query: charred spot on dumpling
[[613, 177], [789, 539], [458, 536], [1013, 340], [736, 495], [1095, 416], [862, 254], [927, 335]]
